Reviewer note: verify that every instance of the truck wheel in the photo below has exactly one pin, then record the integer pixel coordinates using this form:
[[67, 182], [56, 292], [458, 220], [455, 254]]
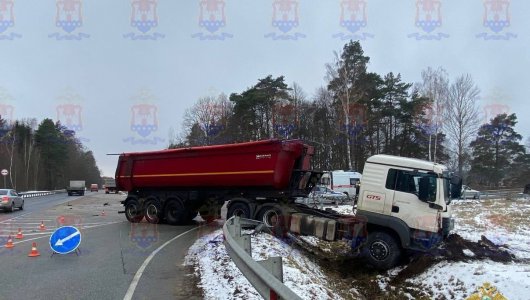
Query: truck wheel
[[381, 250], [175, 212], [270, 216], [153, 211], [69, 194], [238, 209], [133, 211], [274, 219]]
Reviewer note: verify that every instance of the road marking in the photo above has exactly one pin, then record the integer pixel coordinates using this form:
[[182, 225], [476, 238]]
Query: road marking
[[139, 273], [14, 218], [47, 234]]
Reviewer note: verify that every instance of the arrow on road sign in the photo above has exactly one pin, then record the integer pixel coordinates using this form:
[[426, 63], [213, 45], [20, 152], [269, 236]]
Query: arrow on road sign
[[71, 236]]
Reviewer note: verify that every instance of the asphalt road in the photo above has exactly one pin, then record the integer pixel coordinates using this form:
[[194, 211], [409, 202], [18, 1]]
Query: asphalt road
[[117, 259]]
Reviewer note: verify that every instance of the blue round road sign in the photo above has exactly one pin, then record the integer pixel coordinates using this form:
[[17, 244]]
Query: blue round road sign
[[65, 239]]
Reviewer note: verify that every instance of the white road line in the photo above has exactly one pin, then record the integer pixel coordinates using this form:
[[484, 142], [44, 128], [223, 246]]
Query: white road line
[[139, 273], [14, 218], [47, 236]]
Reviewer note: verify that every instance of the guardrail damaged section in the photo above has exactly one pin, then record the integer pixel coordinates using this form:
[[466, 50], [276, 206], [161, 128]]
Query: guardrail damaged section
[[266, 276]]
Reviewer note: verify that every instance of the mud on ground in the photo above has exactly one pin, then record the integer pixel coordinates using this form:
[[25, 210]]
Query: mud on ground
[[354, 280]]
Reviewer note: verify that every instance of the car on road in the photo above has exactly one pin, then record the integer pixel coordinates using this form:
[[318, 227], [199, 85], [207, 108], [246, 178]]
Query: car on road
[[94, 187], [327, 195], [469, 193], [10, 199]]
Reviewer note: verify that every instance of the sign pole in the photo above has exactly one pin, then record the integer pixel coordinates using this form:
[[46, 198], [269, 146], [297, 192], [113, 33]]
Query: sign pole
[[4, 173]]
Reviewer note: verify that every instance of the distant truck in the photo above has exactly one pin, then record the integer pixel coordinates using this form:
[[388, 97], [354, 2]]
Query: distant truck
[[342, 181], [94, 187], [110, 186], [404, 204], [76, 187]]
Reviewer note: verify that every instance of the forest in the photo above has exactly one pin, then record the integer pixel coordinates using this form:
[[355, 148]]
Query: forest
[[361, 113], [44, 156]]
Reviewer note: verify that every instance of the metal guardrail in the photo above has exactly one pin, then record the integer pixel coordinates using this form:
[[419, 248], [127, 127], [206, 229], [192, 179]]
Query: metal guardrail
[[502, 193], [35, 194], [266, 276]]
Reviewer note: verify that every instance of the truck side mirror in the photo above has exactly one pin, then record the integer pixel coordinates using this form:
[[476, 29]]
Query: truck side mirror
[[456, 187]]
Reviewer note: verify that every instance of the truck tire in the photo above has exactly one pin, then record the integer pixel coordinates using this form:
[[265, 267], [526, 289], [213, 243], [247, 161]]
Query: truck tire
[[69, 194], [238, 209], [153, 211], [175, 213], [275, 219], [133, 211], [381, 250]]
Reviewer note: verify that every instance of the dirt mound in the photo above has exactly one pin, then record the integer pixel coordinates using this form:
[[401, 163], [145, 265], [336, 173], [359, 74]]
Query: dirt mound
[[454, 250]]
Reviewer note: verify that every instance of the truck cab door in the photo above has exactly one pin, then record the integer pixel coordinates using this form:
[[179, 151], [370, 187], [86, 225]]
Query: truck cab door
[[407, 206]]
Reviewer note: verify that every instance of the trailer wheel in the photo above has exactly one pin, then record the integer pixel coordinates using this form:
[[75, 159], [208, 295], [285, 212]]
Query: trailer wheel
[[381, 250], [238, 209], [270, 216], [153, 211], [133, 211], [274, 219], [175, 212]]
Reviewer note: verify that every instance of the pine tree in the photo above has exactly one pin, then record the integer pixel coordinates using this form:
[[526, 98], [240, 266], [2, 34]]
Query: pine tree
[[496, 151]]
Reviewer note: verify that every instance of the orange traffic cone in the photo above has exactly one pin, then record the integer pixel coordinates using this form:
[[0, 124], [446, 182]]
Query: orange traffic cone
[[9, 243], [42, 227], [103, 213], [34, 252], [19, 234]]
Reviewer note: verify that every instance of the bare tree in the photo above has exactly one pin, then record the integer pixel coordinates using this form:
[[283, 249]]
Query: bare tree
[[462, 117], [209, 113], [435, 86]]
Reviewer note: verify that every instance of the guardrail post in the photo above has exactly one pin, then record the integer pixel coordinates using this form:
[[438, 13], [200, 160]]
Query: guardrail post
[[265, 276], [274, 266]]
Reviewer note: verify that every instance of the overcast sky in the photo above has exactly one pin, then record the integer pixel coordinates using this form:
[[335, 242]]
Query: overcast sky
[[104, 75]]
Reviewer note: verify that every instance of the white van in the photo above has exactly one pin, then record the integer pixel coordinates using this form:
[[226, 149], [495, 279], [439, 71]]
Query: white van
[[342, 181]]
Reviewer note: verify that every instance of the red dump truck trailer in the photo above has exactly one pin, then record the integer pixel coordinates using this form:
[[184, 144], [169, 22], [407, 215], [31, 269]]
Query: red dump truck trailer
[[173, 185]]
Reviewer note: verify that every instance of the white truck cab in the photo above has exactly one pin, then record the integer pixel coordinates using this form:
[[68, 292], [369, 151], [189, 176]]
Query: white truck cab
[[405, 203]]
